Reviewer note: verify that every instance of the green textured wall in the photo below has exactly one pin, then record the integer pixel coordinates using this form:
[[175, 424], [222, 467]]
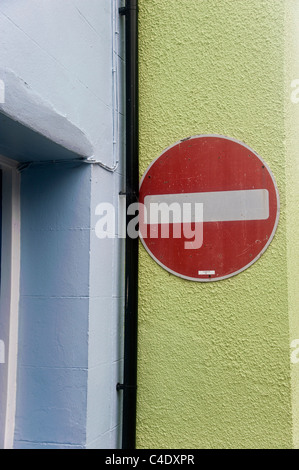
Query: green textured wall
[[292, 194], [214, 358]]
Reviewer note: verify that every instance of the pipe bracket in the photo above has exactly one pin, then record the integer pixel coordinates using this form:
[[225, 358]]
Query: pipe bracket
[[123, 387]]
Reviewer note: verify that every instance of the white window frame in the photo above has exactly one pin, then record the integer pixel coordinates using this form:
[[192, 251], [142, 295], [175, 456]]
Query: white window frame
[[10, 289]]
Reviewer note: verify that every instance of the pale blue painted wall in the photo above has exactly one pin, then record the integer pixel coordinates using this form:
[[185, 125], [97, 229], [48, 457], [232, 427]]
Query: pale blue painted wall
[[54, 307], [105, 320], [72, 290], [71, 311]]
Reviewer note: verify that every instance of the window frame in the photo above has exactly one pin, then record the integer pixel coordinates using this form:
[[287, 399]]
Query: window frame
[[10, 293]]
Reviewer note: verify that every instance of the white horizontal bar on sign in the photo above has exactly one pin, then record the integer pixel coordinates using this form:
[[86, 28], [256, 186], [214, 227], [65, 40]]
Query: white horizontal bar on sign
[[218, 206]]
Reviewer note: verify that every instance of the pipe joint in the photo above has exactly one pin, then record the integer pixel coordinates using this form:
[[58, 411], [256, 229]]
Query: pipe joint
[[126, 9]]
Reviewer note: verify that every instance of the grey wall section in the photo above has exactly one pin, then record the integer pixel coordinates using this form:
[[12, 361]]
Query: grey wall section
[[107, 259], [60, 53]]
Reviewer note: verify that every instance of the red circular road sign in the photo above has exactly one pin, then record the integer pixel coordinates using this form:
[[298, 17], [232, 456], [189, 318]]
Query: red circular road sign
[[209, 208]]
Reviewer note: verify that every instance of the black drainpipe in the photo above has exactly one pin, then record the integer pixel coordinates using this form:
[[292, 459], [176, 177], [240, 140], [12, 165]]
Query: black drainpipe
[[129, 386]]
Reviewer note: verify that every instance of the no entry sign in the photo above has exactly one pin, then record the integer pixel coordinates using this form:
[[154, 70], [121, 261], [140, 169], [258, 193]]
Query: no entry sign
[[209, 208]]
